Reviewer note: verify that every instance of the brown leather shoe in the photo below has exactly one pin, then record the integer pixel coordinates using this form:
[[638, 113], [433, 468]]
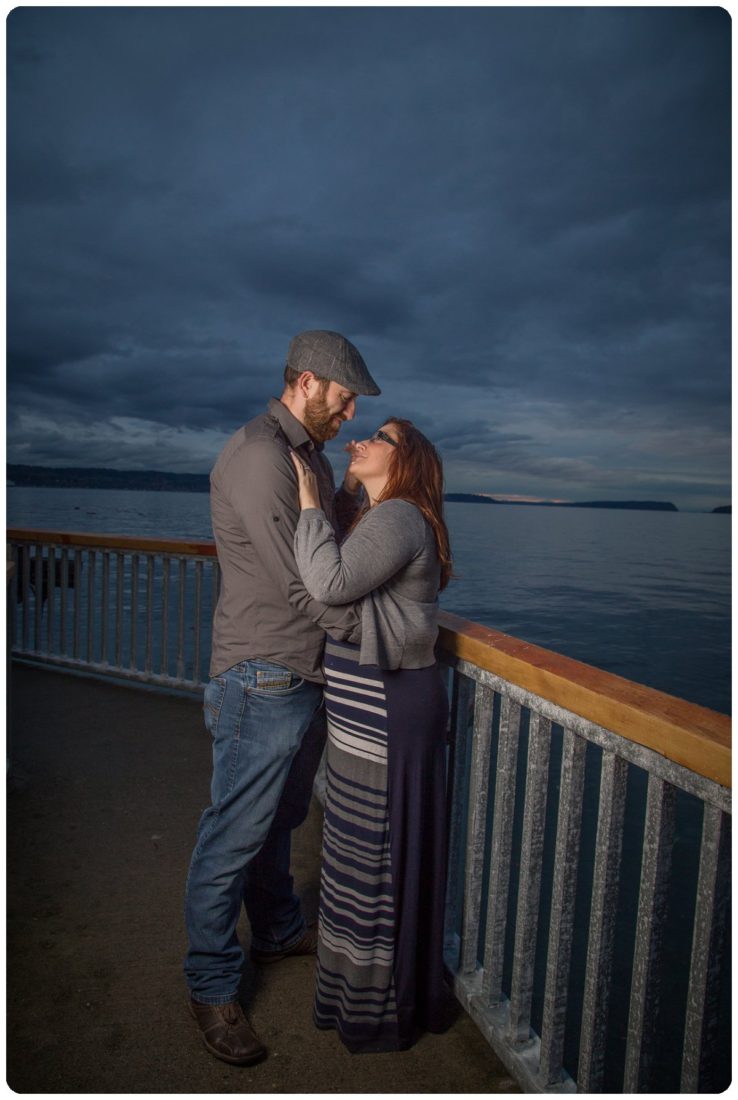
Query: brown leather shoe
[[306, 945], [227, 1033]]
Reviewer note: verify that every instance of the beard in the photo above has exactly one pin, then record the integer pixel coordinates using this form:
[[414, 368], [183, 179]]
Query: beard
[[319, 420]]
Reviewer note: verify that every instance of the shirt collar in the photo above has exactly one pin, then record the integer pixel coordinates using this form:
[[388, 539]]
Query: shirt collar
[[297, 434]]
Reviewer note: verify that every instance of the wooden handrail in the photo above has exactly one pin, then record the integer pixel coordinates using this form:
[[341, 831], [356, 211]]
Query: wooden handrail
[[131, 543], [694, 736], [691, 735]]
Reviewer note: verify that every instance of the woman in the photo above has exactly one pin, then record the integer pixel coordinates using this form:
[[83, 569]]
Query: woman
[[380, 946]]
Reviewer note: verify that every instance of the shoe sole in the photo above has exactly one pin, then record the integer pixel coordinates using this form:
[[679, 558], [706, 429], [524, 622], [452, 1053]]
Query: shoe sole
[[233, 1061], [258, 1057]]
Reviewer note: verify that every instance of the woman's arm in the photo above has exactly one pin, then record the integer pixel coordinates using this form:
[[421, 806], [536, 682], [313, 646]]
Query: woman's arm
[[260, 485], [386, 539]]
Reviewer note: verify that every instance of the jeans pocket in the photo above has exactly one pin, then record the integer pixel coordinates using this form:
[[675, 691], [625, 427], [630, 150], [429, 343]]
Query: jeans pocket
[[212, 701], [272, 679]]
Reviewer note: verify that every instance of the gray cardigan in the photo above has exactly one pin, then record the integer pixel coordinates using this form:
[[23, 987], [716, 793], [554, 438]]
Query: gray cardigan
[[390, 562]]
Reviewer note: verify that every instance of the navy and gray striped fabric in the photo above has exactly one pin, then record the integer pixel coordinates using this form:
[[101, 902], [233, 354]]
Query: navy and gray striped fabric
[[355, 988], [364, 953]]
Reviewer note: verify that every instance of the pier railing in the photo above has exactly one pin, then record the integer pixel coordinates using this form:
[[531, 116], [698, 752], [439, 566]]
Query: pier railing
[[139, 609], [588, 908], [589, 867]]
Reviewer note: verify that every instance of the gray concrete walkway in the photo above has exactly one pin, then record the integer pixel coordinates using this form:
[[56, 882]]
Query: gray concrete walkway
[[106, 787]]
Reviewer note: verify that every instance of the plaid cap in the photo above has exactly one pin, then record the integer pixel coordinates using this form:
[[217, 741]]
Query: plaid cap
[[330, 355]]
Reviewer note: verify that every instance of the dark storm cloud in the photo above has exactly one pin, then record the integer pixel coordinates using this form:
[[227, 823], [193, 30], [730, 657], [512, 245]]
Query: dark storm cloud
[[521, 216]]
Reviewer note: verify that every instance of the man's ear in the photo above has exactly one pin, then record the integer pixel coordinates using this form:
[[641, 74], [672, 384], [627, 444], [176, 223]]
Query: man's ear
[[306, 383]]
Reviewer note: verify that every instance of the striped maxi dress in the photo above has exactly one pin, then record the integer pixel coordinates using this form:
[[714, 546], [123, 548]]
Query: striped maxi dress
[[380, 945]]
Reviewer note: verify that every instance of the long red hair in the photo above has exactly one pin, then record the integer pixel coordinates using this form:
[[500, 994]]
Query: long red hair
[[416, 474]]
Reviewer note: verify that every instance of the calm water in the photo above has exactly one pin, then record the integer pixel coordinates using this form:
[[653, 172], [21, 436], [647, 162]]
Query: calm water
[[643, 594]]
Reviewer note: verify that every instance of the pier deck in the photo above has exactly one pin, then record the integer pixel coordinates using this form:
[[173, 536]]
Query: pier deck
[[105, 790]]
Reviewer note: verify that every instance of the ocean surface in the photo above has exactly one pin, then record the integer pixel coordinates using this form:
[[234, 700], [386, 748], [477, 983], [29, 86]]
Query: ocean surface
[[646, 595]]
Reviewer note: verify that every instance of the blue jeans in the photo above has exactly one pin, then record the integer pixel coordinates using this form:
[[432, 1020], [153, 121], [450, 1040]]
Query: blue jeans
[[268, 730]]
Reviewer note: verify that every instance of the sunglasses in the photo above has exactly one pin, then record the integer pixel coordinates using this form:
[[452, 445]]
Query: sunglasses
[[379, 434]]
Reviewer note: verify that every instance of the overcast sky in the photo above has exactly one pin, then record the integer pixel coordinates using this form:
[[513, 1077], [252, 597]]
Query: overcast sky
[[519, 215]]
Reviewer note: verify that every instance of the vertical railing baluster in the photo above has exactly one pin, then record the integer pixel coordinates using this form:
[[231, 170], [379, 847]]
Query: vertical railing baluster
[[501, 850], [133, 662], [658, 840], [64, 567], [13, 599], [105, 608], [462, 705], [164, 664], [197, 616], [181, 619], [708, 950], [91, 565], [476, 827], [529, 889], [39, 600], [25, 594], [563, 895], [597, 982], [149, 656], [50, 596], [77, 623], [119, 576]]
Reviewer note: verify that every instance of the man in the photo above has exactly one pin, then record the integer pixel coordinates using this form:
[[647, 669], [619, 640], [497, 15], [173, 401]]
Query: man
[[264, 703]]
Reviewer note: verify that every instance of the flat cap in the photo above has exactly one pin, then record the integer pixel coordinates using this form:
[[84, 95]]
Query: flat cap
[[330, 355]]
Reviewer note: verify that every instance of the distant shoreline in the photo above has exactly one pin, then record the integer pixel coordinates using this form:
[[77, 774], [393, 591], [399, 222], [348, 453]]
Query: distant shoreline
[[93, 477], [159, 481], [636, 505]]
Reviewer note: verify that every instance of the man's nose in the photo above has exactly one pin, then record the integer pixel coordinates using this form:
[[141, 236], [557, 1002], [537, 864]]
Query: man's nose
[[349, 409]]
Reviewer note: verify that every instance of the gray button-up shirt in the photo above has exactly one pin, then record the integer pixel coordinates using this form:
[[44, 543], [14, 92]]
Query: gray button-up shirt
[[264, 609]]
